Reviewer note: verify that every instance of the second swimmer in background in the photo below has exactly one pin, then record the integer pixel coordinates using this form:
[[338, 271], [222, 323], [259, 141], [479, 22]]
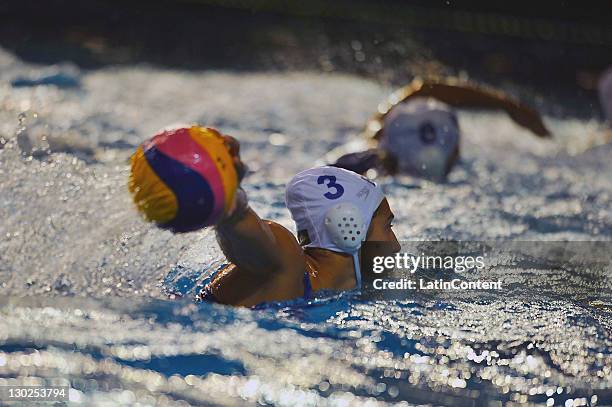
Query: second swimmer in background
[[416, 131]]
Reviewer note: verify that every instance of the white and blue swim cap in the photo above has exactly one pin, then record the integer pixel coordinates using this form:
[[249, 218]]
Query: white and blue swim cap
[[334, 206], [422, 134]]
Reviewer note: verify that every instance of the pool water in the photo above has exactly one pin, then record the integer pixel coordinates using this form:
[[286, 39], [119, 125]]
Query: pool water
[[94, 297]]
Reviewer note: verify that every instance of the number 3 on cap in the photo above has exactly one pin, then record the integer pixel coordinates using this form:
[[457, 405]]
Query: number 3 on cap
[[331, 184]]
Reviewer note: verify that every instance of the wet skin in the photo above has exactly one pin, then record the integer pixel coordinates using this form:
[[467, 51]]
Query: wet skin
[[268, 263]]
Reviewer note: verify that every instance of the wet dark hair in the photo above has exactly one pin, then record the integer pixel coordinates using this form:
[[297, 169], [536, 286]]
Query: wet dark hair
[[303, 237]]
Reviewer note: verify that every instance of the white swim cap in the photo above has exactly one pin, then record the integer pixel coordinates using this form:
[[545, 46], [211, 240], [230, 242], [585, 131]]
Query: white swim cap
[[422, 134], [334, 206], [605, 94]]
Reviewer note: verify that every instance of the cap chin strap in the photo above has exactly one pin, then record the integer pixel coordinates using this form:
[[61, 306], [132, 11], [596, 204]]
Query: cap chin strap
[[357, 270], [347, 230]]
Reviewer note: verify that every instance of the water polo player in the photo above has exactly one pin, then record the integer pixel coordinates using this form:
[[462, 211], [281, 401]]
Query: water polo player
[[334, 211], [416, 132], [188, 178]]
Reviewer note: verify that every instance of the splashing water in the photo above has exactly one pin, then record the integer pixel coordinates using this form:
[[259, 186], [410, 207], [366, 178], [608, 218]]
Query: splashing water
[[86, 283]]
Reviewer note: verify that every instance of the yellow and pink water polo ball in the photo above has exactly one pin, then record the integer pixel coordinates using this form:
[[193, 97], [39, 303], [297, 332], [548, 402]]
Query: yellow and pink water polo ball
[[183, 179]]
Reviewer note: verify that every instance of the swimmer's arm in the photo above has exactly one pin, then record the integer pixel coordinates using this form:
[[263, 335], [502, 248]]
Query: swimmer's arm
[[462, 94], [256, 245]]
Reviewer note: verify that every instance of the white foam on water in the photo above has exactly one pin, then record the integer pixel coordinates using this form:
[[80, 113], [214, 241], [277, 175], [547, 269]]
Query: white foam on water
[[69, 230]]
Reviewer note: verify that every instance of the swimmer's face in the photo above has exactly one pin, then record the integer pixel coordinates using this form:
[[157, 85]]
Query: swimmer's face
[[233, 146], [421, 138], [381, 227]]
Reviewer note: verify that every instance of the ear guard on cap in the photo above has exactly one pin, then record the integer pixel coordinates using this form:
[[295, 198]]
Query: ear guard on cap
[[347, 231], [345, 226]]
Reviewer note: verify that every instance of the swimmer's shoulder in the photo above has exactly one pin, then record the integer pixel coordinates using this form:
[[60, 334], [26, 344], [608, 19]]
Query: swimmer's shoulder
[[287, 243], [235, 286]]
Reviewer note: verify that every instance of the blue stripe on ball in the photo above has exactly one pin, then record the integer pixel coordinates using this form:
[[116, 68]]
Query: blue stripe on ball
[[194, 195]]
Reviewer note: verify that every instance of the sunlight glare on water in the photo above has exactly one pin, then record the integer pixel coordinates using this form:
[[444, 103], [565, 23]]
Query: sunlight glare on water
[[85, 281]]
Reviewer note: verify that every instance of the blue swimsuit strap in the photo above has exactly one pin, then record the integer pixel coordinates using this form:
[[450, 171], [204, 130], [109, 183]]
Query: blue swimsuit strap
[[307, 286]]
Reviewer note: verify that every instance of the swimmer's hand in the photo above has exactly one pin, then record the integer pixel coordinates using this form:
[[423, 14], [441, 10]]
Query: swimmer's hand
[[528, 118], [240, 204], [233, 147]]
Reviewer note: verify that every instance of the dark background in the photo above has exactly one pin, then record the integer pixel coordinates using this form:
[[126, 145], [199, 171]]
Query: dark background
[[538, 50]]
